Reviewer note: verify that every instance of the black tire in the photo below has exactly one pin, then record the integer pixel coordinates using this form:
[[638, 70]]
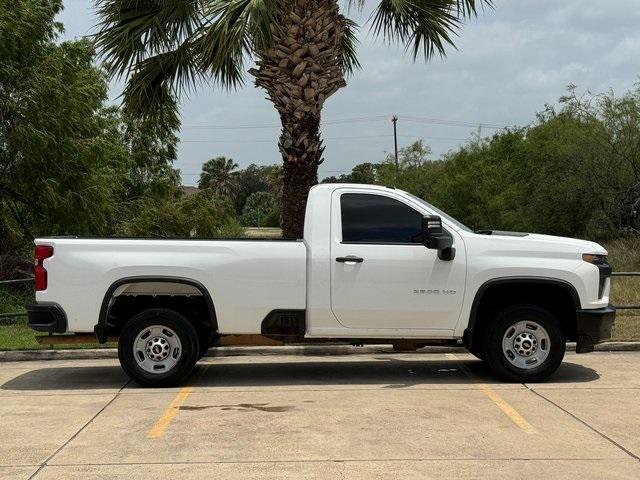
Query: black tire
[[497, 358], [186, 358]]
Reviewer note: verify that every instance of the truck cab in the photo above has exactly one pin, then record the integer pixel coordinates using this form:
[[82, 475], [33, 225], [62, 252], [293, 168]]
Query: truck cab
[[376, 265]]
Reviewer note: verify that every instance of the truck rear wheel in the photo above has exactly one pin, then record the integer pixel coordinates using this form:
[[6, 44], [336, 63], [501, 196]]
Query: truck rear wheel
[[525, 343], [158, 348]]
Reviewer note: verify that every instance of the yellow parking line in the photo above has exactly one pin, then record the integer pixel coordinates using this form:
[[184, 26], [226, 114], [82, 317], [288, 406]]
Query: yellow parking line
[[163, 422], [161, 425], [507, 409], [158, 429], [500, 402]]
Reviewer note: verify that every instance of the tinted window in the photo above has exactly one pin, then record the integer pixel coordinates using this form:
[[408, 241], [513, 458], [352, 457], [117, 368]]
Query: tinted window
[[377, 219]]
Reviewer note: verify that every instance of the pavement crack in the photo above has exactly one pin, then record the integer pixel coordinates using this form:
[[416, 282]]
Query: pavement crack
[[590, 427], [80, 430]]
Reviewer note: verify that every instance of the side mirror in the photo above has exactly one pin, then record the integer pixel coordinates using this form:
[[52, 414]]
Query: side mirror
[[434, 237]]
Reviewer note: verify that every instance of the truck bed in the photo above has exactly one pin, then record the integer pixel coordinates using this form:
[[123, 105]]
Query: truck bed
[[246, 278]]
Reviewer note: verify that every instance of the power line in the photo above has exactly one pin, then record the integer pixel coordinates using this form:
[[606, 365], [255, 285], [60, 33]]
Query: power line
[[277, 125], [242, 140], [451, 123], [370, 118]]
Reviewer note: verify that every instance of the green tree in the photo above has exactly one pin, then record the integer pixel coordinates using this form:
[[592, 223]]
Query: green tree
[[220, 176], [361, 173], [482, 183], [261, 210], [609, 138], [69, 164], [303, 50], [412, 156], [558, 193], [415, 173], [61, 158], [152, 150], [254, 178]]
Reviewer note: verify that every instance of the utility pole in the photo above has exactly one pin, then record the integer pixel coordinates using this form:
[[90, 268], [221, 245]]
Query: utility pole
[[394, 120]]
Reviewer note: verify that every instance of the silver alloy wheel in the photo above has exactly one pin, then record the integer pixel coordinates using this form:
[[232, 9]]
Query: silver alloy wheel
[[157, 349], [526, 344]]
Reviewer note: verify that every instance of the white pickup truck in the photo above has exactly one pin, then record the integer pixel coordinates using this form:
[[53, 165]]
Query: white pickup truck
[[376, 265]]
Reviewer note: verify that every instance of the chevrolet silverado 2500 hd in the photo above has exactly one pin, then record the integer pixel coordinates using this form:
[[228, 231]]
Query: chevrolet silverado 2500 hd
[[376, 265]]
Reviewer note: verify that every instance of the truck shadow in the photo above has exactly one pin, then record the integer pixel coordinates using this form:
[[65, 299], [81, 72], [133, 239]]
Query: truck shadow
[[386, 372]]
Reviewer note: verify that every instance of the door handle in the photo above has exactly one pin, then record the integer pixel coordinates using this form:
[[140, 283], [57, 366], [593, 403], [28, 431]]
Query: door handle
[[350, 259]]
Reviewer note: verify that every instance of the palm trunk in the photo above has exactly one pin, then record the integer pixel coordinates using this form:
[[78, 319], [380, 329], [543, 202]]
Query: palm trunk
[[299, 73]]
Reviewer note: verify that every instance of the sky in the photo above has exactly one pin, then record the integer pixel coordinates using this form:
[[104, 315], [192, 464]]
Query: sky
[[509, 63]]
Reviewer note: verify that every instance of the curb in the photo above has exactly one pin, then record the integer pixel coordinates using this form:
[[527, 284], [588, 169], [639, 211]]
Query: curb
[[613, 347], [110, 353], [79, 354]]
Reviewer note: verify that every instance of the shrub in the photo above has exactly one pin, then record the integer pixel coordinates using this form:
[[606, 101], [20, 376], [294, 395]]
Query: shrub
[[203, 214]]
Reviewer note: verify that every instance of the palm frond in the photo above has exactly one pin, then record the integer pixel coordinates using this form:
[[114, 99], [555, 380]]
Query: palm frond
[[348, 57], [423, 26], [166, 46], [469, 8], [132, 30], [157, 80], [238, 28]]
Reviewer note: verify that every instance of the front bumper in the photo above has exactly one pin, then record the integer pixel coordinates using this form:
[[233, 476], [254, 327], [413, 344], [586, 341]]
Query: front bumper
[[593, 327], [47, 317]]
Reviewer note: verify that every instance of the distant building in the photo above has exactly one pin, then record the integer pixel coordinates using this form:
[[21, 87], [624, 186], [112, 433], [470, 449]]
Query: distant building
[[189, 190]]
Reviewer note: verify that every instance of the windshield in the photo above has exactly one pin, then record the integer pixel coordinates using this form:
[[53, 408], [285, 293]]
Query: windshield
[[441, 213]]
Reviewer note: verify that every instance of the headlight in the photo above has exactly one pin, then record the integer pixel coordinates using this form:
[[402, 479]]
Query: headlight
[[604, 269], [595, 258]]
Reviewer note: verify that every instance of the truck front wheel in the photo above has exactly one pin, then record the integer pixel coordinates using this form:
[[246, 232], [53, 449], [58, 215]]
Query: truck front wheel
[[158, 348], [525, 343]]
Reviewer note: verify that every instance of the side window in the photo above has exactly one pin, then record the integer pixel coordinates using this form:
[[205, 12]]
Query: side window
[[370, 218]]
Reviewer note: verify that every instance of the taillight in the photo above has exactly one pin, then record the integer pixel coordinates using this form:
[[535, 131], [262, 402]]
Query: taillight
[[40, 273]]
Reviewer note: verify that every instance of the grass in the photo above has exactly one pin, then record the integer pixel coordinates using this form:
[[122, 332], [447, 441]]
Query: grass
[[624, 255], [14, 332]]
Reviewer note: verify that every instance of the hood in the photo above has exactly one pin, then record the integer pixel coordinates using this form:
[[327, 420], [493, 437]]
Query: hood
[[545, 241]]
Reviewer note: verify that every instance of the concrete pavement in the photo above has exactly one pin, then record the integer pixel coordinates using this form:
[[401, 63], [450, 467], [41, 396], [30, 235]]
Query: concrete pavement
[[371, 415]]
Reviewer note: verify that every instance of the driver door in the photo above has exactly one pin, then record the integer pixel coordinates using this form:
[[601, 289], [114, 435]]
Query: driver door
[[382, 276]]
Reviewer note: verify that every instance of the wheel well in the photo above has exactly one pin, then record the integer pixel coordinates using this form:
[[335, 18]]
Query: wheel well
[[128, 297], [557, 297]]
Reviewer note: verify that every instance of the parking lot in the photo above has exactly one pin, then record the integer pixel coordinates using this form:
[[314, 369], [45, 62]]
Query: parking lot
[[322, 415]]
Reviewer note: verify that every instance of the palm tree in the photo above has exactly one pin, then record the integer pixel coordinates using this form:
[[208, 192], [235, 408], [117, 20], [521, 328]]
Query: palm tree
[[303, 50], [219, 175]]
